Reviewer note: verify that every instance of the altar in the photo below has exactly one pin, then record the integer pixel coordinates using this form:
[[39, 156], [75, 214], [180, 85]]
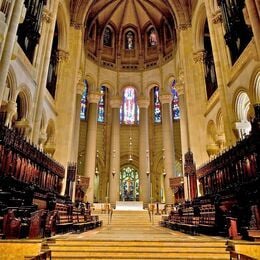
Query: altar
[[129, 205]]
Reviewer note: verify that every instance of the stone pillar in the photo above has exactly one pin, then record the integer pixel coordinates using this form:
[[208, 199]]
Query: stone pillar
[[114, 173], [222, 68], [91, 146], [49, 23], [144, 158], [9, 45], [255, 21], [184, 131], [168, 145], [75, 145]]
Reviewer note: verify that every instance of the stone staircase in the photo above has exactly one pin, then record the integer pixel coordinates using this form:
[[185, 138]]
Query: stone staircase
[[131, 235]]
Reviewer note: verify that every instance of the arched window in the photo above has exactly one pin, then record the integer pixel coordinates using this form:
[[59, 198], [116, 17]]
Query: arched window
[[52, 70], [129, 111], [129, 40], [175, 102], [84, 100], [101, 105], [157, 105], [168, 34], [108, 36], [152, 37], [238, 31], [210, 73], [29, 31]]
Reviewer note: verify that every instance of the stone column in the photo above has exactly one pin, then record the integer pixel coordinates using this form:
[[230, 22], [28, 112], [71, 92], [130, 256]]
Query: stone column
[[48, 22], [9, 45], [184, 131], [144, 158], [75, 146], [114, 173], [91, 146], [222, 68], [255, 21], [168, 146]]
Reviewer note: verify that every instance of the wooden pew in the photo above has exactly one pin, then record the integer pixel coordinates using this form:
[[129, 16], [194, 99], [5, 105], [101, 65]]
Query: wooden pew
[[64, 221]]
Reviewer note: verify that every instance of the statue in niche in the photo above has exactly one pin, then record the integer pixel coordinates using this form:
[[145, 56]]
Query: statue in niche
[[152, 38], [130, 40]]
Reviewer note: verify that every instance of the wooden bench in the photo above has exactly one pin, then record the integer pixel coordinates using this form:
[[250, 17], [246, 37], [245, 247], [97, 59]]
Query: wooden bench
[[207, 219], [64, 221], [79, 223]]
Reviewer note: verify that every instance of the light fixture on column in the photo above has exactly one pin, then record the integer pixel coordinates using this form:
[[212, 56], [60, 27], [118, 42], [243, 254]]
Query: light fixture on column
[[164, 173], [148, 164], [113, 172], [114, 156], [96, 170], [130, 149], [163, 157]]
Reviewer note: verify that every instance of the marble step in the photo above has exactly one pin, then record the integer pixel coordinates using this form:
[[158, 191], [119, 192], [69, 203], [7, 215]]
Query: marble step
[[137, 255]]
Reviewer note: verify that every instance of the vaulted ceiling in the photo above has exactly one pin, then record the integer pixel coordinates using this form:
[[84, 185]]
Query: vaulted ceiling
[[135, 12]]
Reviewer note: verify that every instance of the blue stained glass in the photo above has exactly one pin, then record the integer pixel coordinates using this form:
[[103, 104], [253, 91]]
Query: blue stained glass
[[83, 102], [175, 102], [129, 111], [101, 106], [157, 106]]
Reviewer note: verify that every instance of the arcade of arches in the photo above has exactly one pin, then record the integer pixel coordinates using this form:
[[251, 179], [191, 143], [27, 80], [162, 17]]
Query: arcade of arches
[[126, 88]]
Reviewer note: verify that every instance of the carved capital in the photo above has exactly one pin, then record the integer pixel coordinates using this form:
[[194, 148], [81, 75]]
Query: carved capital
[[199, 56], [184, 26], [166, 98], [217, 17], [115, 102], [62, 56], [80, 87], [94, 97], [143, 102], [75, 25], [46, 16]]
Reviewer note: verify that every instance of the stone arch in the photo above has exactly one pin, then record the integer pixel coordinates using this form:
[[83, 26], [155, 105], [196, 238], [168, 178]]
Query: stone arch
[[63, 26], [132, 85], [221, 139], [108, 85], [150, 86], [254, 87], [11, 83], [23, 93], [212, 146], [243, 113], [198, 32], [50, 144], [91, 82], [168, 82]]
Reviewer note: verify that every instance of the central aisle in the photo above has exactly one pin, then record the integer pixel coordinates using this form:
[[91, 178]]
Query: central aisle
[[131, 235]]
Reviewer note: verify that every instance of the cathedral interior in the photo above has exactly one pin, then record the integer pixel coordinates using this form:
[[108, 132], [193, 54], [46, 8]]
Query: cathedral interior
[[130, 101]]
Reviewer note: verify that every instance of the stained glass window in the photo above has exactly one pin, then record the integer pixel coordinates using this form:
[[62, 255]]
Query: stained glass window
[[157, 106], [129, 184], [129, 111], [83, 110], [130, 40], [175, 102], [152, 37], [107, 40], [101, 105]]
